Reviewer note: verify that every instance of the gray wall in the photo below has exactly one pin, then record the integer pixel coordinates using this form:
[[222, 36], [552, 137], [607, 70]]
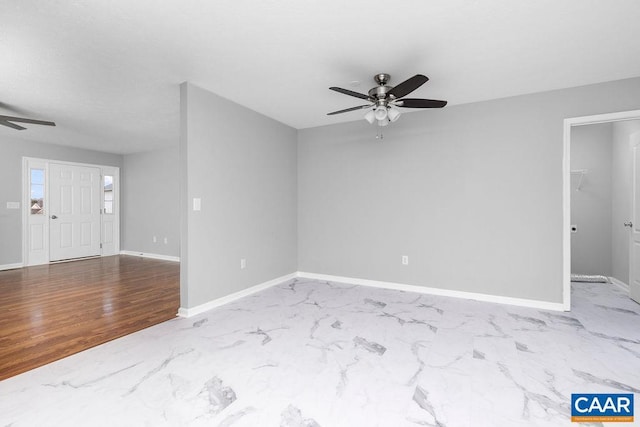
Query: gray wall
[[11, 152], [150, 201], [622, 168], [471, 193], [243, 167], [591, 206]]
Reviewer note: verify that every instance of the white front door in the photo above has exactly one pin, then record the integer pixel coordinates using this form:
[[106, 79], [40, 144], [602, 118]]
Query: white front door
[[634, 250], [74, 211]]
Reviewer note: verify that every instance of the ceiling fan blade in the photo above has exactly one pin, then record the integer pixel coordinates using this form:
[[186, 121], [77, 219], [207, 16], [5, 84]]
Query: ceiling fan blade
[[14, 109], [359, 107], [420, 103], [11, 125], [24, 120], [350, 92], [408, 86]]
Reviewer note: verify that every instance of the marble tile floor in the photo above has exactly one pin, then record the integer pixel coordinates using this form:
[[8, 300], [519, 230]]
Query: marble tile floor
[[308, 353]]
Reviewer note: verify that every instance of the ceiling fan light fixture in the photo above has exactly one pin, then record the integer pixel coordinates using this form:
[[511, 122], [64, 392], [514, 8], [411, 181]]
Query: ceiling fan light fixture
[[393, 113], [383, 122], [370, 116], [381, 112]]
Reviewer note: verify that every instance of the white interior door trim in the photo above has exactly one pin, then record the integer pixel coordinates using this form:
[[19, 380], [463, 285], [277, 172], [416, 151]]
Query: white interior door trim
[[39, 163], [634, 236], [566, 188]]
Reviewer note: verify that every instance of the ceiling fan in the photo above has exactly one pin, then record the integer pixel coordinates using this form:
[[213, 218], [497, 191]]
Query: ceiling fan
[[384, 100], [8, 121]]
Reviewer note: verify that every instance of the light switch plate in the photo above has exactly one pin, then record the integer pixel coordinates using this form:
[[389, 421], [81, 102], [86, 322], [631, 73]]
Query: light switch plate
[[13, 205], [197, 203]]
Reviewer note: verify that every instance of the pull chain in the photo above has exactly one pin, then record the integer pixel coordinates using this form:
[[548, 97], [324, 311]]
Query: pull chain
[[379, 134]]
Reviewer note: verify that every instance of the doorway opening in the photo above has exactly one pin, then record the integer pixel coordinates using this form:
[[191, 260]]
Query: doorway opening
[[70, 211], [579, 176]]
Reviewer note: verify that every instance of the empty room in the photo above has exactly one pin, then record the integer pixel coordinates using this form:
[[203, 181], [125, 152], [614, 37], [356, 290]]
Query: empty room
[[327, 213]]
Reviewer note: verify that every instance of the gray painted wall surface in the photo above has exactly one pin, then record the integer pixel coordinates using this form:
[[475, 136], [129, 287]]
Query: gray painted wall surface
[[150, 200], [622, 169], [11, 153], [591, 206], [471, 193], [243, 167]]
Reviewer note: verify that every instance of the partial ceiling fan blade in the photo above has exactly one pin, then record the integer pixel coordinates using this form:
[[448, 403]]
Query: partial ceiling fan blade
[[24, 120], [420, 103], [350, 93], [408, 86], [11, 125], [359, 107], [14, 109]]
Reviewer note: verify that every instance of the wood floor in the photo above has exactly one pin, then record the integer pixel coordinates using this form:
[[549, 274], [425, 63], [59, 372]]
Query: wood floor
[[52, 311]]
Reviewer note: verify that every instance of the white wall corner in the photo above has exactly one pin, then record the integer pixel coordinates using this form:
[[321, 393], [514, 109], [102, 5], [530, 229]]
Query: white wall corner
[[522, 302], [190, 312], [152, 256]]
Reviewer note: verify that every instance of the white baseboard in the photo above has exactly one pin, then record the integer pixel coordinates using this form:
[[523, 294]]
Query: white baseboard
[[619, 283], [11, 266], [545, 305], [154, 256], [189, 312]]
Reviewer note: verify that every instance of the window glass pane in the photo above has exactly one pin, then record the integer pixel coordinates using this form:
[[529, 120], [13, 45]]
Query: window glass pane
[[37, 176], [37, 191], [108, 194]]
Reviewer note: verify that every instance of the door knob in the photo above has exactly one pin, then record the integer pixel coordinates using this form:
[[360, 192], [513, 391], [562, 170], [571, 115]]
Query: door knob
[[628, 224], [54, 217]]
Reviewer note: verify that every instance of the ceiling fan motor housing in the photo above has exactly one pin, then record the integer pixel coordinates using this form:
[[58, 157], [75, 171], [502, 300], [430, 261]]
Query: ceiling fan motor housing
[[379, 93]]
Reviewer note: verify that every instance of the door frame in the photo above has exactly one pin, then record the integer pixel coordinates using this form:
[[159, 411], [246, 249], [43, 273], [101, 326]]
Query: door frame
[[39, 163], [566, 188]]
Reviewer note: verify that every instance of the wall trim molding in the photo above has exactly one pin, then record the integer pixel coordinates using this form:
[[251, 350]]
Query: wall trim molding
[[190, 312], [619, 283], [521, 302], [544, 305], [153, 256], [11, 266]]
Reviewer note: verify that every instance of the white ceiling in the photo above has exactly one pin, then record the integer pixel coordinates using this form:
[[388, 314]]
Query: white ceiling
[[107, 71]]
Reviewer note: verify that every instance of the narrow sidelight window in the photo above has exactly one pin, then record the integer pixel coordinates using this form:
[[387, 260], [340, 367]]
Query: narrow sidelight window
[[108, 194], [36, 187]]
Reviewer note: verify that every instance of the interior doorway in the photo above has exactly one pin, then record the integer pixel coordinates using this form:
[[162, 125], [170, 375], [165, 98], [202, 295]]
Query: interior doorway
[[70, 211], [578, 176]]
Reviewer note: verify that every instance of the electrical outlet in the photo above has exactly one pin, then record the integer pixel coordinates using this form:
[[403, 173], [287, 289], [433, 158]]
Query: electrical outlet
[[155, 239], [405, 260], [243, 264], [166, 241]]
